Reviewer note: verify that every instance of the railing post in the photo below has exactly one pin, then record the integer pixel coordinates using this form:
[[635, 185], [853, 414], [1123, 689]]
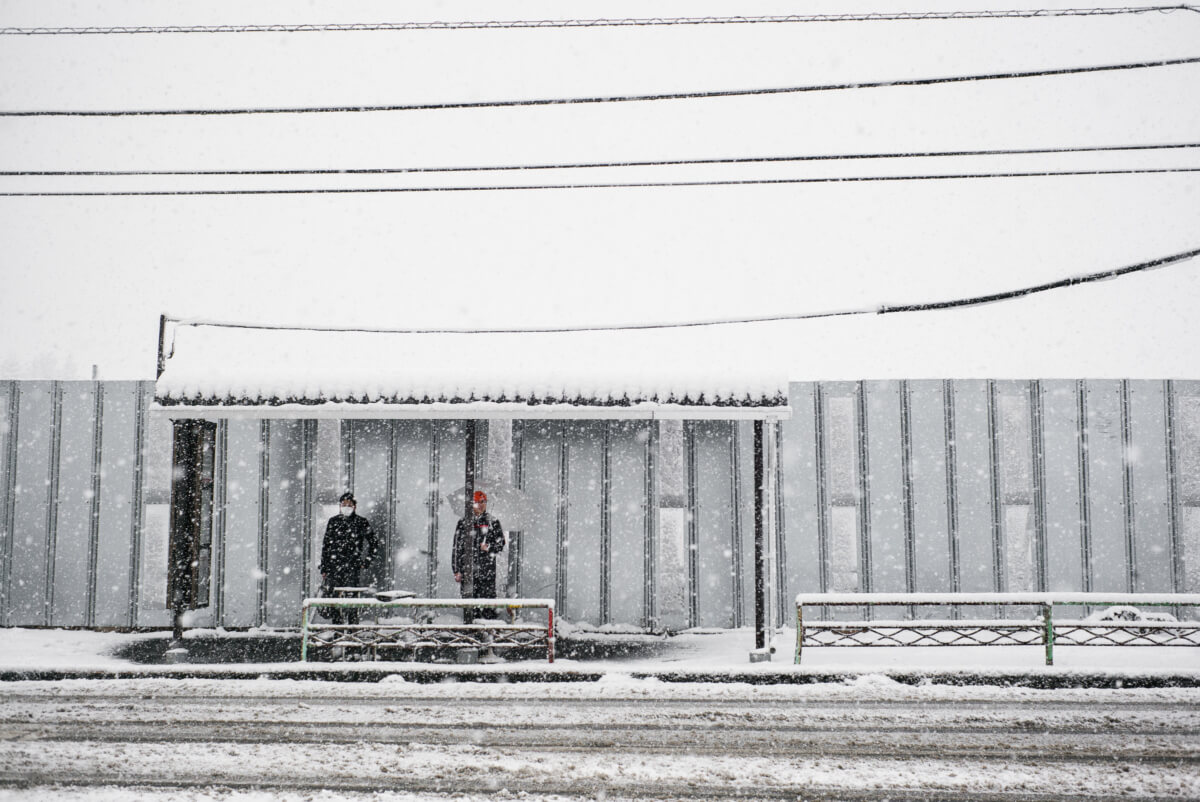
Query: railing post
[[304, 611], [1048, 632], [550, 633], [799, 631]]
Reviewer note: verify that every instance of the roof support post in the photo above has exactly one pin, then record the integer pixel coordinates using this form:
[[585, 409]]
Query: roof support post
[[469, 499], [760, 652]]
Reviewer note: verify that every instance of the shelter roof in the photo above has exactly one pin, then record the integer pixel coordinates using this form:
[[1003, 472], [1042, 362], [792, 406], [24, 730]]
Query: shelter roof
[[219, 370]]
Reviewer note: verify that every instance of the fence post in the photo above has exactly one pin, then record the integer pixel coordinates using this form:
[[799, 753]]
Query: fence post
[[1048, 632], [304, 612], [799, 631]]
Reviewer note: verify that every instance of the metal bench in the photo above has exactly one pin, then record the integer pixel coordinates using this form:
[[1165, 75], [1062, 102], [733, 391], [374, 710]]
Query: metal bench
[[368, 639], [1043, 630]]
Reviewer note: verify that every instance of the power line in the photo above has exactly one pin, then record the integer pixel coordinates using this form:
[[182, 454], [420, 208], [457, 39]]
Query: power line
[[345, 27], [978, 300], [615, 185], [609, 164], [565, 101]]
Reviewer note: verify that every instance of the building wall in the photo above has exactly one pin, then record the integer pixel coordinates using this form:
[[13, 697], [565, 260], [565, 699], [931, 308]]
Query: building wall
[[935, 485]]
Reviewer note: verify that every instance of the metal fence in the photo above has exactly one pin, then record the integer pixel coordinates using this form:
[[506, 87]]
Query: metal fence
[[899, 486]]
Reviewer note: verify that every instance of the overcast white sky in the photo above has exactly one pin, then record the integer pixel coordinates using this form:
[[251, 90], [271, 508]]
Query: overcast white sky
[[85, 279]]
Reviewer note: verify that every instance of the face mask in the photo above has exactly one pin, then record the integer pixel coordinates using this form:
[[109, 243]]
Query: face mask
[[347, 510]]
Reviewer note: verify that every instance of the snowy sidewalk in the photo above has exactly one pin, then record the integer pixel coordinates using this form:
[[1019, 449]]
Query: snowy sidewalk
[[707, 656]]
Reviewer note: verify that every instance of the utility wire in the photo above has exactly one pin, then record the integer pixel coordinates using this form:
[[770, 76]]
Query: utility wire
[[611, 164], [977, 300], [566, 101], [617, 185], [594, 23]]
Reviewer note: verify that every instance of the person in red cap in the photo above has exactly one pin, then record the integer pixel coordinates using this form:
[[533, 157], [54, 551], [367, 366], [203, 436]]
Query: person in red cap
[[473, 559]]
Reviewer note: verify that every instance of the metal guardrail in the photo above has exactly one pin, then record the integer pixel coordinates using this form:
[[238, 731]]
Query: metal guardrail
[[1043, 630], [376, 635]]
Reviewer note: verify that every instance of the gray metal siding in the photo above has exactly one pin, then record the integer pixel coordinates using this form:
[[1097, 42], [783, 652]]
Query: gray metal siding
[[928, 485]]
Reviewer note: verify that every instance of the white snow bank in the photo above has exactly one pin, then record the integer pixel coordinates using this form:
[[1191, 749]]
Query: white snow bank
[[713, 651]]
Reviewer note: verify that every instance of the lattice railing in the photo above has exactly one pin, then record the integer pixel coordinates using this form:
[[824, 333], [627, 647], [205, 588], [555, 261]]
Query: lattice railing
[[1044, 631], [369, 639]]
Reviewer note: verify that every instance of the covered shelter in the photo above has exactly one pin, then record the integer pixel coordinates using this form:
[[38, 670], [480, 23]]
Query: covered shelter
[[584, 426]]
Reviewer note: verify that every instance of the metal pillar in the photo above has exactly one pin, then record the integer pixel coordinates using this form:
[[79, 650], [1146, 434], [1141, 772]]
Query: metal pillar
[[692, 535], [562, 533], [264, 518], [736, 540], [431, 504], [760, 635], [606, 525], [650, 531], [468, 579]]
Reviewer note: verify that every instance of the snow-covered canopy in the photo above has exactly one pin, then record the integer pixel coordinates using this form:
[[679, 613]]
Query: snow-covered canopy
[[220, 371]]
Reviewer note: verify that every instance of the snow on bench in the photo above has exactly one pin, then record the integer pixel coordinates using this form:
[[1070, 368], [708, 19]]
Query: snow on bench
[[1120, 624], [418, 630]]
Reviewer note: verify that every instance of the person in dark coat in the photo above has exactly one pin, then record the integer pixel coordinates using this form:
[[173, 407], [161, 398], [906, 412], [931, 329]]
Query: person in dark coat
[[477, 542], [350, 545]]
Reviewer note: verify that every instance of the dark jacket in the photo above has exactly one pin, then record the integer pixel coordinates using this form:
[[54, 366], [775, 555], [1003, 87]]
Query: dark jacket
[[350, 545], [467, 539]]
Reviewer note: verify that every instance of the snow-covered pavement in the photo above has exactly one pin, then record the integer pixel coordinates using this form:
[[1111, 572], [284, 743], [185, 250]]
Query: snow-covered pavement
[[617, 738], [710, 651], [866, 737]]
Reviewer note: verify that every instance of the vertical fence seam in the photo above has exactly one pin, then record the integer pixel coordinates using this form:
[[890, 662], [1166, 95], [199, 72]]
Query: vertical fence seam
[[1169, 432], [220, 519], [1085, 516], [736, 534], [822, 477], [1127, 490], [93, 547], [1037, 434], [865, 579], [692, 535], [10, 501], [264, 518], [137, 515], [906, 489], [650, 524], [52, 501]]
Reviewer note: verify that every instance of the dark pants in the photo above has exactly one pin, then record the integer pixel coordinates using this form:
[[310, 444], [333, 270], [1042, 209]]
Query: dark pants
[[484, 588], [341, 615]]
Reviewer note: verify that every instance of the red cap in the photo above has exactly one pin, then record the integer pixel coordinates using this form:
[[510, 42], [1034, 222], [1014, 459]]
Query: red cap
[[480, 496]]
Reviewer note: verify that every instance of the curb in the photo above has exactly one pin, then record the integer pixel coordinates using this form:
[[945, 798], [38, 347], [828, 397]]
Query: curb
[[1043, 680]]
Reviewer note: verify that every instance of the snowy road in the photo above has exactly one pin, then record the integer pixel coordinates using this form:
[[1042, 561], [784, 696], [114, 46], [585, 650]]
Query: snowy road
[[872, 740]]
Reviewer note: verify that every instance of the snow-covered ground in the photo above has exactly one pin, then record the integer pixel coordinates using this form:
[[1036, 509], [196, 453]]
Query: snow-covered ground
[[702, 650], [865, 739], [862, 737]]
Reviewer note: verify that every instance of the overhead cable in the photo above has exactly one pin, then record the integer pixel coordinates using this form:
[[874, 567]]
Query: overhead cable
[[609, 164], [614, 185], [977, 300], [566, 101], [343, 27]]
